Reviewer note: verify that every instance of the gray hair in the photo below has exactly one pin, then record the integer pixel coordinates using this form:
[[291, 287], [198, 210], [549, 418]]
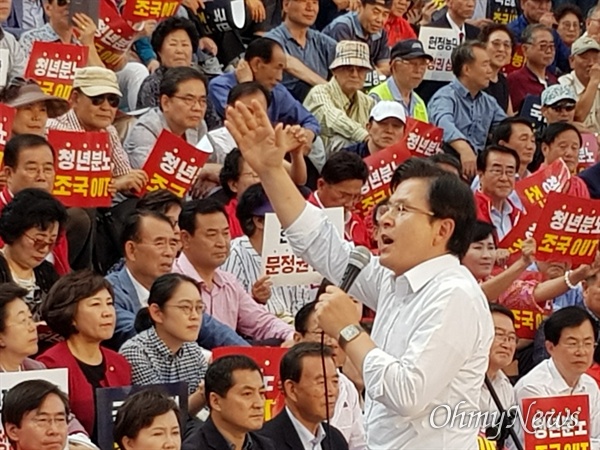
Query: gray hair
[[592, 11], [530, 30], [463, 54]]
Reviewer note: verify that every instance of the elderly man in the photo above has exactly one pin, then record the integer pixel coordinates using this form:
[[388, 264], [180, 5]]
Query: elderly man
[[11, 53], [558, 104], [340, 106]]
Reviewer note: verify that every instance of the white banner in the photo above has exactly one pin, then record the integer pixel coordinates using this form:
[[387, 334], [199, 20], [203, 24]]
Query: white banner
[[4, 60], [439, 43]]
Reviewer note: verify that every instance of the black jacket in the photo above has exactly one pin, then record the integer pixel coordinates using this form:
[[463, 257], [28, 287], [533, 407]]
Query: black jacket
[[207, 437], [282, 432]]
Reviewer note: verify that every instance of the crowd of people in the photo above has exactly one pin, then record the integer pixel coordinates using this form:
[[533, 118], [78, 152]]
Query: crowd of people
[[289, 103]]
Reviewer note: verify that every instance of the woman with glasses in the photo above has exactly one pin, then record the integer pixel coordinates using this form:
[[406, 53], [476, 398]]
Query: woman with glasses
[[500, 43], [569, 19], [165, 350], [80, 308]]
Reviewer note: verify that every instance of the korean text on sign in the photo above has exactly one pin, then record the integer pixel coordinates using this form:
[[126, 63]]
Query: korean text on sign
[[524, 229], [422, 138], [83, 169], [53, 66], [527, 322], [439, 43], [173, 164], [534, 189], [7, 116], [140, 10], [568, 229], [588, 153], [113, 37]]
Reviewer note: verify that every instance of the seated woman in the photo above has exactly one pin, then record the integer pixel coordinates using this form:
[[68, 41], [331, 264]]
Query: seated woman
[[29, 226], [80, 308], [165, 350], [19, 341], [148, 420]]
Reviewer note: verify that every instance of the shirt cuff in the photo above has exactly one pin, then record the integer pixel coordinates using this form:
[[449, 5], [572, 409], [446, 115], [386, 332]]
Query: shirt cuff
[[375, 364]]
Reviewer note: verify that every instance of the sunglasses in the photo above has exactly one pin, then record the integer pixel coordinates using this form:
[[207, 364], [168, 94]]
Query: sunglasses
[[559, 108], [63, 2], [113, 100]]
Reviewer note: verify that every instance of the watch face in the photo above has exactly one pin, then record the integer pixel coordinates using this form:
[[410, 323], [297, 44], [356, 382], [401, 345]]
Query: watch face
[[350, 332]]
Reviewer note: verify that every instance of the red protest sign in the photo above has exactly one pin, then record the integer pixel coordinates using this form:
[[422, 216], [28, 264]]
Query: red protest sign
[[560, 422], [534, 189], [268, 358], [140, 10], [524, 229], [517, 60], [53, 65], [588, 153], [113, 37], [381, 168], [173, 164], [83, 169], [422, 138], [7, 116], [527, 321], [568, 229]]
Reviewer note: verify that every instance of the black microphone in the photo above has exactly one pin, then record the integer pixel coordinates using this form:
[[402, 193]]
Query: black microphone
[[359, 258]]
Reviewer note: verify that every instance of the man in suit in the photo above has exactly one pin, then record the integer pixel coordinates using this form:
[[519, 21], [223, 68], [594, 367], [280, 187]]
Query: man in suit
[[235, 394], [301, 425], [150, 245]]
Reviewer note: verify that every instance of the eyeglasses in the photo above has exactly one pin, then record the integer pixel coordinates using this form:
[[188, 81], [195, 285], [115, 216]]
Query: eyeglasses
[[41, 244], [192, 101], [545, 46], [574, 346], [113, 100], [563, 107], [187, 309], [499, 171], [502, 44], [396, 209], [63, 2], [415, 63], [510, 338], [570, 25]]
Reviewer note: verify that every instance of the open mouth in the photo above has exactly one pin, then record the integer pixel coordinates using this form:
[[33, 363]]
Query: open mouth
[[386, 240]]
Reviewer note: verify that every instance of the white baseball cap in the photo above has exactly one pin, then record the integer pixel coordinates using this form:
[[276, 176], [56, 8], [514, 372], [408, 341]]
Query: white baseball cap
[[386, 109]]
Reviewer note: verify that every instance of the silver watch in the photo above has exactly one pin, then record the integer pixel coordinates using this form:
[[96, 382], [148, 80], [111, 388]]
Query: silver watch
[[349, 333]]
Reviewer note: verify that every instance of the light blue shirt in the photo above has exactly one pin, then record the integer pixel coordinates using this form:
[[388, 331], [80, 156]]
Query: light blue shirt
[[397, 96], [33, 14], [462, 116], [309, 440], [501, 219]]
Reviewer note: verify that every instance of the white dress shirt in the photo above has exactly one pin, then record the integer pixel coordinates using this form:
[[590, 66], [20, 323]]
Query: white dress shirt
[[142, 293], [309, 440], [347, 416], [433, 330]]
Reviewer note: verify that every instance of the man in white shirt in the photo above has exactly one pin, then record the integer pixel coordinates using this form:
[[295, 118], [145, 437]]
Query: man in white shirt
[[433, 329], [570, 339]]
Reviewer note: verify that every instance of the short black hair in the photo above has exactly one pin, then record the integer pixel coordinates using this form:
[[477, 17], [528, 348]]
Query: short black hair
[[501, 309], [173, 77], [9, 292], [193, 208], [487, 30], [463, 54], [302, 316], [568, 317], [504, 130], [139, 411], [30, 208], [481, 230], [28, 396], [168, 26], [449, 198], [21, 142], [60, 305], [133, 224], [159, 201], [261, 48], [251, 199], [343, 166], [247, 88], [231, 170], [568, 8], [552, 131], [482, 158], [290, 367], [445, 158], [219, 376]]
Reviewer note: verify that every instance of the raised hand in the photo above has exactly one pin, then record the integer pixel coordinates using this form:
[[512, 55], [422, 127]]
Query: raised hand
[[290, 137]]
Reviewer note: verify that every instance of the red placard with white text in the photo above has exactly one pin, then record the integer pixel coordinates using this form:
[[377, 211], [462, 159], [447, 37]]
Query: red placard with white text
[[83, 168], [7, 116], [524, 229], [534, 189], [588, 153], [113, 36], [173, 164], [140, 10], [268, 358], [53, 65], [560, 422], [422, 138], [568, 229]]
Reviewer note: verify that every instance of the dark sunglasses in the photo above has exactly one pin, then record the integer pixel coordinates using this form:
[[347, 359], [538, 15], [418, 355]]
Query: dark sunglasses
[[113, 100], [568, 107], [63, 2]]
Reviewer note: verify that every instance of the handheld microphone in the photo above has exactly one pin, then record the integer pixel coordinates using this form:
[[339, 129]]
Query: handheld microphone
[[359, 259]]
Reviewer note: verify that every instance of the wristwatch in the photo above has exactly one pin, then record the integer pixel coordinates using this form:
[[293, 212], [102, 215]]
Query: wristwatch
[[349, 333]]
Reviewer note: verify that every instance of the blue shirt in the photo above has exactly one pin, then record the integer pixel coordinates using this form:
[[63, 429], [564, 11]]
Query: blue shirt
[[462, 116], [317, 55], [348, 28], [397, 96], [284, 108]]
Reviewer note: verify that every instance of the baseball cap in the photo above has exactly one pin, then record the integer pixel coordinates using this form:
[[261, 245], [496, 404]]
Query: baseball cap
[[386, 109], [351, 53], [95, 81], [557, 92], [583, 44], [409, 49]]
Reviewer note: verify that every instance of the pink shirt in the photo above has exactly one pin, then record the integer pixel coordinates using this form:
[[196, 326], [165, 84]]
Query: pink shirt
[[230, 304]]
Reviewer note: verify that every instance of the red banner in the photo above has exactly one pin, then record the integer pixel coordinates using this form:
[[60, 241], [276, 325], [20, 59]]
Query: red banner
[[560, 422], [524, 229], [422, 138], [53, 66], [113, 37], [568, 230], [517, 60], [527, 322], [588, 153], [173, 164], [83, 168], [534, 189], [268, 358], [140, 10], [7, 116], [381, 168]]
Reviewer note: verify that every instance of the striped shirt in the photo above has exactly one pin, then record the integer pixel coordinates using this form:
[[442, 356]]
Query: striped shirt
[[152, 362], [119, 160], [245, 263]]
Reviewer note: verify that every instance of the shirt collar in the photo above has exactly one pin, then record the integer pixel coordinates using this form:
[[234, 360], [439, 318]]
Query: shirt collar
[[306, 437], [248, 444], [142, 293], [1, 33], [187, 268], [421, 274], [358, 29], [455, 27], [461, 89], [558, 382], [339, 93], [161, 347], [397, 95]]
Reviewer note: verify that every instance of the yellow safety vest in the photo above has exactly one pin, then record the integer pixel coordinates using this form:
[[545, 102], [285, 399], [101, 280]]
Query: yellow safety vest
[[384, 93]]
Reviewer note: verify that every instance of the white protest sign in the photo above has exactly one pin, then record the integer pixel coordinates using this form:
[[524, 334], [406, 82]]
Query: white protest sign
[[278, 260], [4, 60], [8, 380], [439, 43]]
